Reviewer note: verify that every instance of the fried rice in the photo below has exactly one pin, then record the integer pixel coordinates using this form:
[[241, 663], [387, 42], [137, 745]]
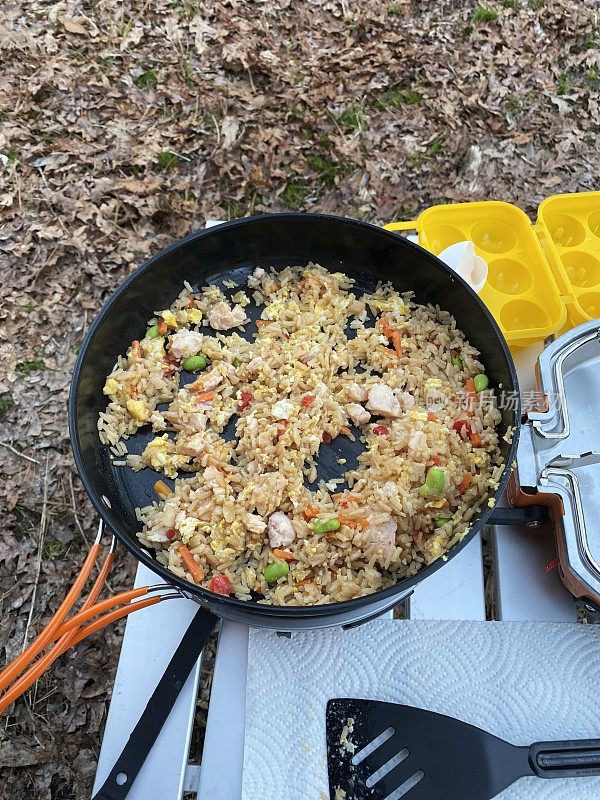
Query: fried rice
[[248, 513]]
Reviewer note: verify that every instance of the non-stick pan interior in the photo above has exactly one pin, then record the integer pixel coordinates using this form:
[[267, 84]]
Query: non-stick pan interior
[[230, 252]]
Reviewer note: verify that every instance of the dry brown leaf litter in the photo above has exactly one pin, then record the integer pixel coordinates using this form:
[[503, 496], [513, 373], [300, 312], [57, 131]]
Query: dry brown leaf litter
[[126, 125]]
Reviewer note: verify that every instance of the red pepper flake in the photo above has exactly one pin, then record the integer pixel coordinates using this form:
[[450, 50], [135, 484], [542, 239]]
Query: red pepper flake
[[381, 430], [220, 584], [170, 533], [168, 359], [552, 565], [245, 401], [168, 373], [326, 438], [460, 424], [307, 400], [436, 460]]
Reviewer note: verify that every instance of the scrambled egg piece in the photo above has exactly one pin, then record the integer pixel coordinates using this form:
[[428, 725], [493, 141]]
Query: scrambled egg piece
[[420, 416], [282, 409], [194, 316], [137, 409], [159, 456], [169, 318], [186, 526], [491, 502], [111, 386]]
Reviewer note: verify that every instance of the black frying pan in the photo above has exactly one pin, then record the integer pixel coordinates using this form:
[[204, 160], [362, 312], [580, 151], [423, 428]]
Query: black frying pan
[[231, 251]]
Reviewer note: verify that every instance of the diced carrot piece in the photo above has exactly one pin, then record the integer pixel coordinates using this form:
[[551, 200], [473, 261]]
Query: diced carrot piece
[[475, 439], [311, 512], [162, 490], [431, 417], [204, 397], [345, 431], [353, 523], [466, 481], [305, 582], [436, 460], [161, 326], [191, 564], [386, 328], [136, 348], [285, 555], [397, 343], [260, 323], [471, 389], [191, 301]]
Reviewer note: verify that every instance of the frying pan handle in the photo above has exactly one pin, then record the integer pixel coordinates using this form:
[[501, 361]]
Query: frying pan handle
[[527, 517], [154, 716], [565, 759]]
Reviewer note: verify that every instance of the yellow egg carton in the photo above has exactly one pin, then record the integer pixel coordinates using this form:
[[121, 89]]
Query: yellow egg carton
[[569, 228], [541, 277]]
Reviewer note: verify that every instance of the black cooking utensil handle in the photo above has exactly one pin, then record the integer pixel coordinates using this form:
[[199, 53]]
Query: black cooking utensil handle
[[565, 759], [154, 716], [527, 517]]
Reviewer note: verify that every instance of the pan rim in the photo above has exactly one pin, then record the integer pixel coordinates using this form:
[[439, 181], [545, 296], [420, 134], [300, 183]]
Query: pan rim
[[200, 593]]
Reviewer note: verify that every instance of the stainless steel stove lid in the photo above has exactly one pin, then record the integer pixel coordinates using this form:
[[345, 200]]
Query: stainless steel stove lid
[[559, 450]]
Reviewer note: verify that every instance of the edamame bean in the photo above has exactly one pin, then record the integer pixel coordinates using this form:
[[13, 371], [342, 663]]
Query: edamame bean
[[273, 572], [152, 332], [457, 362], [326, 525], [481, 382], [195, 363], [441, 521]]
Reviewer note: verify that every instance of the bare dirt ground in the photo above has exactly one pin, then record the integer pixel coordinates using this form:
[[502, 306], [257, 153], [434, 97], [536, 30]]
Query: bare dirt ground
[[125, 125]]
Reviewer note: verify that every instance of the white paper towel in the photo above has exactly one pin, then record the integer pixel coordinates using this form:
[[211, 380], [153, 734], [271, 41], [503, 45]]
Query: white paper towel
[[524, 682]]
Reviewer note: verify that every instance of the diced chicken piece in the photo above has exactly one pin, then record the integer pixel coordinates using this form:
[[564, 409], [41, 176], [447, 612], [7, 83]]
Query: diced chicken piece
[[417, 443], [192, 445], [383, 401], [356, 393], [406, 399], [185, 343], [255, 524], [209, 381], [267, 492], [281, 530], [197, 421], [221, 316], [169, 513], [383, 536], [357, 414]]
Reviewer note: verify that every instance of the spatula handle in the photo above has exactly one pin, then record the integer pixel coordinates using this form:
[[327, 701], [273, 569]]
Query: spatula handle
[[566, 759]]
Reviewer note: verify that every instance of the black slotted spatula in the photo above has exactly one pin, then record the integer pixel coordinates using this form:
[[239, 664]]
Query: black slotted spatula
[[385, 751]]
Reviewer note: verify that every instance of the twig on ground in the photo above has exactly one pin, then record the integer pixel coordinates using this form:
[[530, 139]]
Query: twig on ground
[[38, 566], [75, 515], [19, 453]]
